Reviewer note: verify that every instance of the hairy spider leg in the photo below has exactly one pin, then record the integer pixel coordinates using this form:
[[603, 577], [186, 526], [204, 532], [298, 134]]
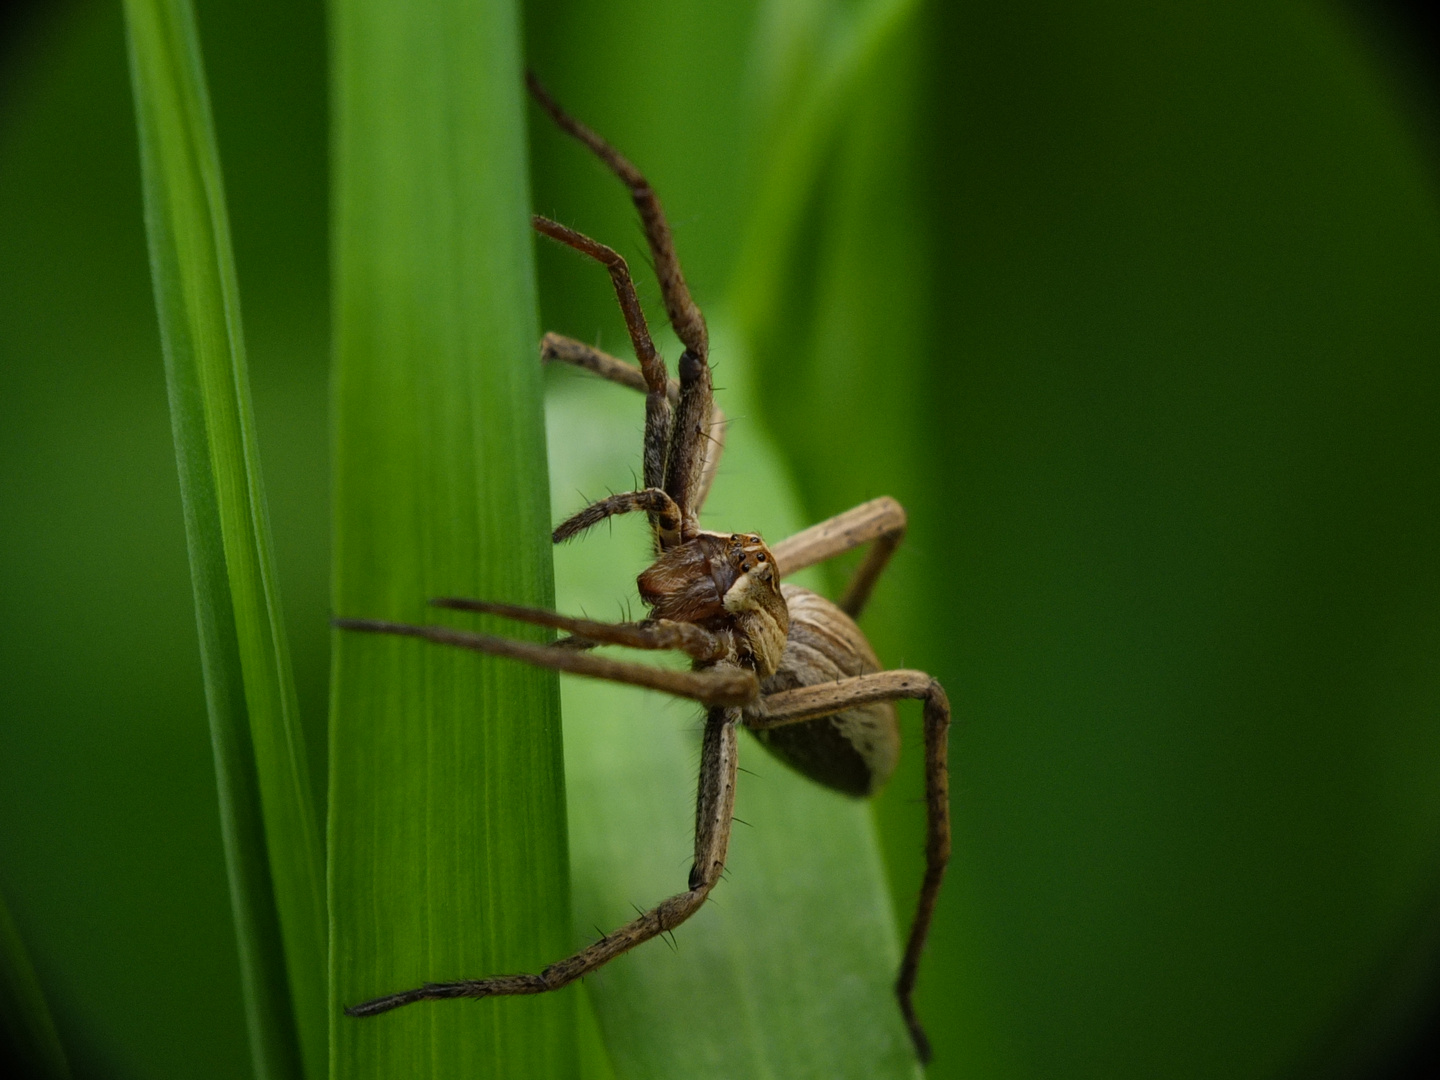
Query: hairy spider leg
[[684, 315], [685, 463], [722, 684], [696, 642], [555, 346], [670, 526], [880, 520], [807, 703], [656, 381], [685, 467], [714, 447], [714, 810], [568, 350]]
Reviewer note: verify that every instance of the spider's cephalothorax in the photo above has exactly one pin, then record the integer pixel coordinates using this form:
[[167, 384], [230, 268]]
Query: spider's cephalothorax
[[726, 584], [783, 661]]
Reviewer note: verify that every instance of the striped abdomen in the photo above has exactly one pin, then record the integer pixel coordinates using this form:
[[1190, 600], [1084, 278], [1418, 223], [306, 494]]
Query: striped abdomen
[[854, 750]]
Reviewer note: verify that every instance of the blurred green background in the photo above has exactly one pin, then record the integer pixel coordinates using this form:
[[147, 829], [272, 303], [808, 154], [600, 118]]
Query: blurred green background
[[1137, 310]]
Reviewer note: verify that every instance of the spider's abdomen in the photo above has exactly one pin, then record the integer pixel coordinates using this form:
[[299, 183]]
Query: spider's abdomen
[[854, 750]]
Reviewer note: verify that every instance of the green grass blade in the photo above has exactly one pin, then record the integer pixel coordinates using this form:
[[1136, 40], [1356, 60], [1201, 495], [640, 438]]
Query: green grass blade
[[267, 811], [447, 816], [25, 1021]]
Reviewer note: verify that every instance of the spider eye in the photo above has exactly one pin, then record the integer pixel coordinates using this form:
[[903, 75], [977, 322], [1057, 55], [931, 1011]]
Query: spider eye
[[760, 557]]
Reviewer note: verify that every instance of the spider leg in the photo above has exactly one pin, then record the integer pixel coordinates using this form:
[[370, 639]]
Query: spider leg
[[714, 447], [670, 526], [714, 808], [685, 317], [685, 464], [613, 369], [566, 349], [690, 436], [807, 703], [690, 639], [655, 380], [720, 685], [880, 520]]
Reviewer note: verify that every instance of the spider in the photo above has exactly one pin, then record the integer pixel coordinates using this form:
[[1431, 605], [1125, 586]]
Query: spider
[[782, 661]]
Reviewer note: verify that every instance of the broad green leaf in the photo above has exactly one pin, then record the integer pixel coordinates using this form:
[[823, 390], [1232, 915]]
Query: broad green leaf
[[447, 814], [28, 1029], [839, 332], [788, 970], [267, 811]]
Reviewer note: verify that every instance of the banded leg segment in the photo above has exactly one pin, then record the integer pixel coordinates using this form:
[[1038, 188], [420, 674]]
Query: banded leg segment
[[714, 448], [880, 520], [825, 699], [690, 436], [670, 526], [714, 811]]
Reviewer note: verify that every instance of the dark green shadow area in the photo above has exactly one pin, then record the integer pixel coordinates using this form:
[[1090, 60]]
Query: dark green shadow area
[[1175, 497]]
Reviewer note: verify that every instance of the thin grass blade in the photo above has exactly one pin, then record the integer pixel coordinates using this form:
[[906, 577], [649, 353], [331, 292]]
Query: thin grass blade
[[267, 810], [447, 839]]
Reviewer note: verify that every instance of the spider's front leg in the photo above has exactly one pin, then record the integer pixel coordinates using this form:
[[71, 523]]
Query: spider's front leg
[[653, 377], [696, 642], [827, 699], [685, 460], [719, 685], [671, 526], [714, 810]]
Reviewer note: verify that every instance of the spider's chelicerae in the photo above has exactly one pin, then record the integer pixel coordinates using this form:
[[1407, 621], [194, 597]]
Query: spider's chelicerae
[[780, 660]]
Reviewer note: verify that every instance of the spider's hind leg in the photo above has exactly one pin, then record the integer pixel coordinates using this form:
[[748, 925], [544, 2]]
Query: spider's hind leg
[[880, 520], [826, 699]]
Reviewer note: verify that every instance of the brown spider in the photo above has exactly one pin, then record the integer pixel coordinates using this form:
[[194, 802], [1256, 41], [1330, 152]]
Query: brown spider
[[780, 660]]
